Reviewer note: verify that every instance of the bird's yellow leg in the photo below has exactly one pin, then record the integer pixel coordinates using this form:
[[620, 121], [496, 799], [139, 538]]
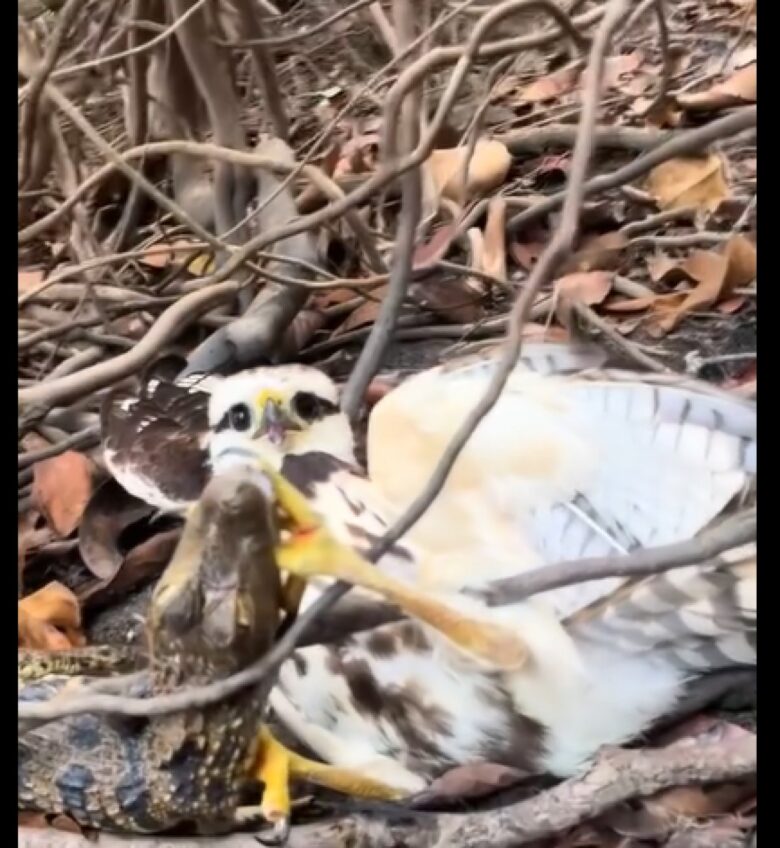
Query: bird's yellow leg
[[277, 765], [309, 550]]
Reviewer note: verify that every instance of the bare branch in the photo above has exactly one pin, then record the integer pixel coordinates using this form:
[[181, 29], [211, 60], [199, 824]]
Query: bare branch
[[680, 144], [263, 61], [168, 326], [65, 20], [409, 218], [737, 530]]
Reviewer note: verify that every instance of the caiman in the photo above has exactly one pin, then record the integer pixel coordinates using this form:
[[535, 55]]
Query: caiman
[[215, 610]]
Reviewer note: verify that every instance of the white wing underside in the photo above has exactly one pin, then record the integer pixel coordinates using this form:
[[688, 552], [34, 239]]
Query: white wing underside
[[583, 466]]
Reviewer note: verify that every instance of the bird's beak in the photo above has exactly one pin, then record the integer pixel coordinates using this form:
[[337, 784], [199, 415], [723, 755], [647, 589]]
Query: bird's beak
[[274, 423]]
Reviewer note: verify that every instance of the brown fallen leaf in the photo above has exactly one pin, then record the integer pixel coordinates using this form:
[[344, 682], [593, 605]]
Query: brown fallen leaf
[[306, 324], [714, 276], [110, 511], [144, 562], [740, 88], [551, 86], [487, 170], [435, 248], [689, 181], [469, 781], [30, 536], [457, 300], [50, 619], [598, 253], [61, 489], [364, 314], [589, 287]]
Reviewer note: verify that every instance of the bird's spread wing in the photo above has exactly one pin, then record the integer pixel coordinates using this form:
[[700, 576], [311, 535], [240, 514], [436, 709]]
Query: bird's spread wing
[[155, 440], [587, 464]]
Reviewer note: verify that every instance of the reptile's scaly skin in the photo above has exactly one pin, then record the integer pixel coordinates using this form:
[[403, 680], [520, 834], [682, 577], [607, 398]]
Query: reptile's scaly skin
[[214, 611]]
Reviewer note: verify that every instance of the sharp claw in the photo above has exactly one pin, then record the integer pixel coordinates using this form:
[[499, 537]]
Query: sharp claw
[[279, 835]]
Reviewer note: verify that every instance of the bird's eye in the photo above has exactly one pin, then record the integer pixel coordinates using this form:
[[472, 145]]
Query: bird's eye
[[307, 406], [240, 417]]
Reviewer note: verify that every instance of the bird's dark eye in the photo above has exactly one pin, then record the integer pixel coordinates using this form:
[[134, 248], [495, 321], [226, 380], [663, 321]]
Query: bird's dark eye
[[308, 406], [240, 417]]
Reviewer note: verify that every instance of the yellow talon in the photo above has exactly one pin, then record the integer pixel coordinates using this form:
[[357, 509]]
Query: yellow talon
[[272, 768], [311, 550], [276, 765]]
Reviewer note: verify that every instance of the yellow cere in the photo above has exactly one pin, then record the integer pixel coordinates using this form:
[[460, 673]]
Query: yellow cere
[[268, 394]]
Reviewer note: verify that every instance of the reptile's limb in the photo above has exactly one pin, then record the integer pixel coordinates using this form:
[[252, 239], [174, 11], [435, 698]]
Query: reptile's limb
[[92, 660], [309, 550]]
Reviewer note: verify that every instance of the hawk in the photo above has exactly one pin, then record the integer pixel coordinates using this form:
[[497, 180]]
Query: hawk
[[568, 464]]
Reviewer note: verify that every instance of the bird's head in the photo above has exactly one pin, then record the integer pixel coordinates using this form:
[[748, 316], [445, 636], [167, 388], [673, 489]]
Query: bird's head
[[277, 411]]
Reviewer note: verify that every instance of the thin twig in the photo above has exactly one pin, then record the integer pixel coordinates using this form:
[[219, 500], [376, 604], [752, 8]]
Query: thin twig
[[65, 20], [281, 40], [737, 530], [84, 438], [169, 325], [409, 218], [265, 69], [682, 144], [587, 314]]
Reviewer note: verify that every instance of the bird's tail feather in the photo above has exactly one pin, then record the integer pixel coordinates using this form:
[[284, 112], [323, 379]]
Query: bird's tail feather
[[702, 617]]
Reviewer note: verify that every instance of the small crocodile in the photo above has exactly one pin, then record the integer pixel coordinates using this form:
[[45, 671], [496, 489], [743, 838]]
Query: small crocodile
[[215, 610]]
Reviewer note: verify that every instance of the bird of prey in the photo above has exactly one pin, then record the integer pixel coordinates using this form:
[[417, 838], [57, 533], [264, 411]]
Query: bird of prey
[[568, 464]]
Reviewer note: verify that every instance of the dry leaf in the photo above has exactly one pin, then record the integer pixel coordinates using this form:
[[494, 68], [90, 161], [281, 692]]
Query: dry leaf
[[598, 253], [494, 243], [470, 781], [689, 181], [589, 287], [28, 279], [487, 170], [454, 299], [143, 562], [110, 511], [738, 89], [430, 252], [551, 86], [61, 489], [365, 313], [714, 275], [306, 324], [50, 619]]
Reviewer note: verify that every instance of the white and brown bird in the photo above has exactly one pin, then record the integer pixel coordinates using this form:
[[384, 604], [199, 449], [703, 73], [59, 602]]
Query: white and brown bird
[[568, 464]]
